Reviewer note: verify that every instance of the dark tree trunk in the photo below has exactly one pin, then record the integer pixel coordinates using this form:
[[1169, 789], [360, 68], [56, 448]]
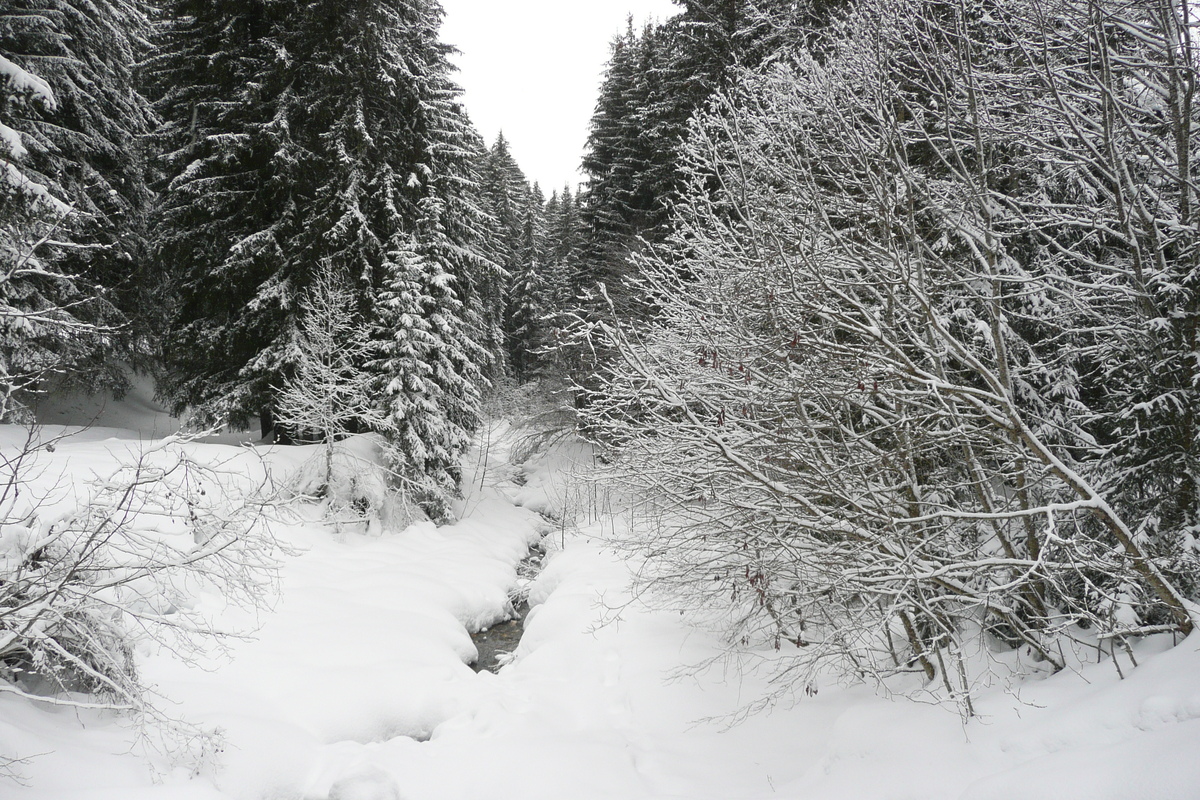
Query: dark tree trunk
[[272, 429]]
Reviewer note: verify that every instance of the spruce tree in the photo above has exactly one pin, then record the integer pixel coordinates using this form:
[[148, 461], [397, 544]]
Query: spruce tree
[[563, 248], [70, 119], [303, 143], [611, 166], [656, 79], [506, 193], [328, 144], [433, 406], [92, 149], [429, 367], [520, 246], [527, 293], [230, 167]]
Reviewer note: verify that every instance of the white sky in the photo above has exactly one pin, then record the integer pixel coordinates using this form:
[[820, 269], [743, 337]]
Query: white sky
[[532, 68]]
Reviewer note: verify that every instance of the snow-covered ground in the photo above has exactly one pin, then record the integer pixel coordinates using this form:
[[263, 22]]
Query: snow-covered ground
[[355, 686]]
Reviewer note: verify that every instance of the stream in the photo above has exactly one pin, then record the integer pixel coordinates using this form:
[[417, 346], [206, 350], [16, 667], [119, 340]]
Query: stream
[[499, 640], [502, 638]]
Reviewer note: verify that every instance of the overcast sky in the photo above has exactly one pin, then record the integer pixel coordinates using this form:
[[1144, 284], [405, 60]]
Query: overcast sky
[[532, 68]]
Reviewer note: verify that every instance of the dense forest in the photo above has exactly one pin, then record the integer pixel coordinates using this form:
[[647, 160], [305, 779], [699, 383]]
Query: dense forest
[[888, 311]]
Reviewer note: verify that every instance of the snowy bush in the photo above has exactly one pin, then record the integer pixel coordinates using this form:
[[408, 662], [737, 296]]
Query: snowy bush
[[351, 481], [82, 582], [894, 405]]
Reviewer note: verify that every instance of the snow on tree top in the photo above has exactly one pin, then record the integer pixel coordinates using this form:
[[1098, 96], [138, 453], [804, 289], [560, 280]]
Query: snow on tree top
[[22, 82]]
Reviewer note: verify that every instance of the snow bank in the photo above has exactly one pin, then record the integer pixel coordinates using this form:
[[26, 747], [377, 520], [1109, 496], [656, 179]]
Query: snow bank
[[356, 686], [136, 416], [368, 639]]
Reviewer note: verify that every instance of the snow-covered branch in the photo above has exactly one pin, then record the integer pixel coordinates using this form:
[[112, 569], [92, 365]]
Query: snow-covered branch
[[878, 406]]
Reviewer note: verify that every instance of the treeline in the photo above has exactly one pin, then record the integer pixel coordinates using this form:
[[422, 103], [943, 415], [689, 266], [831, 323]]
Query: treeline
[[656, 79], [182, 179], [890, 308], [904, 359]]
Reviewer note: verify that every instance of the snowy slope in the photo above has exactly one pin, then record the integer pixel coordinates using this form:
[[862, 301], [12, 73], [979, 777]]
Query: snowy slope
[[355, 687], [136, 416]]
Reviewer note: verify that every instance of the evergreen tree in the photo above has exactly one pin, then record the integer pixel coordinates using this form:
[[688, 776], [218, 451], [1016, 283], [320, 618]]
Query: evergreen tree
[[527, 294], [654, 83], [563, 249], [72, 281], [454, 149], [92, 150], [522, 245], [304, 142], [430, 371], [231, 185], [31, 294], [328, 143], [506, 194], [616, 207]]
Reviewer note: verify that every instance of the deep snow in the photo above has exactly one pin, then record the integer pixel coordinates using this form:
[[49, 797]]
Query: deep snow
[[355, 686]]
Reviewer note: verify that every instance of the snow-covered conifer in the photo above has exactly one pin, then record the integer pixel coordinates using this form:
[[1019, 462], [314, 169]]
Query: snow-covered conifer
[[69, 121], [232, 183], [527, 300], [429, 371], [346, 138], [90, 150]]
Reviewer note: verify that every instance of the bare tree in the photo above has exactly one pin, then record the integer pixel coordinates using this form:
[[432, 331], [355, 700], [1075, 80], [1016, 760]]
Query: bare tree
[[872, 409], [82, 582], [329, 396]]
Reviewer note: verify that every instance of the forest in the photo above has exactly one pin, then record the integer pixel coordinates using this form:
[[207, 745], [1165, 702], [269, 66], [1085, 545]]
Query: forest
[[886, 313]]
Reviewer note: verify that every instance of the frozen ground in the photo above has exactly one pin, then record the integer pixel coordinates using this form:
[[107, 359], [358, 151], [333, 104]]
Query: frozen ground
[[355, 686]]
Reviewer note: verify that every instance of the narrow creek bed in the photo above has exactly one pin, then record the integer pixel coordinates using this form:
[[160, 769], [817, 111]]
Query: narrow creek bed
[[502, 638], [499, 640]]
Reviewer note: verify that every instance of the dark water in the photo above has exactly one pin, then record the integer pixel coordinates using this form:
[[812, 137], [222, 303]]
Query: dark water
[[502, 638], [499, 639]]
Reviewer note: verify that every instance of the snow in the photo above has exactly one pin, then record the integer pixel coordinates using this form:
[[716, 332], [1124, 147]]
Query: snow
[[12, 142], [354, 685], [135, 416], [37, 192], [21, 82], [17, 81]]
